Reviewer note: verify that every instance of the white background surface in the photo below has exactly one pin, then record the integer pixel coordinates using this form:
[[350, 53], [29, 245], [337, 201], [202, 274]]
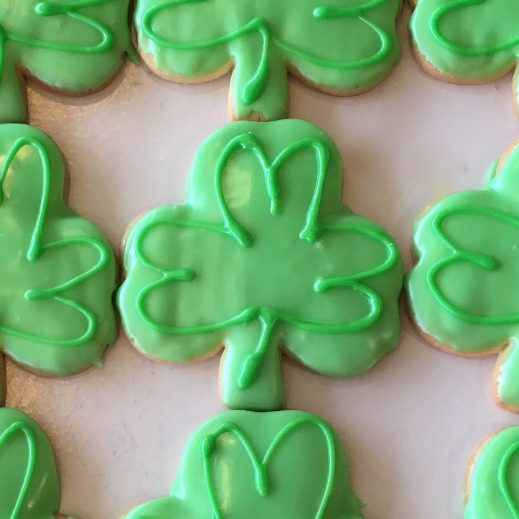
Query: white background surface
[[409, 425]]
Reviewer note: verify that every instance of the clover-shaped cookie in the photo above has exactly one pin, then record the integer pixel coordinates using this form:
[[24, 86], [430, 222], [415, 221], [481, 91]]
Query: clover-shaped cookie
[[256, 465], [463, 289], [263, 257], [57, 271], [467, 41], [342, 47], [29, 487], [72, 46], [492, 483]]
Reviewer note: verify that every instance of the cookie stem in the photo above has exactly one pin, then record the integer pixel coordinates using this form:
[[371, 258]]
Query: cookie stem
[[259, 82], [251, 372]]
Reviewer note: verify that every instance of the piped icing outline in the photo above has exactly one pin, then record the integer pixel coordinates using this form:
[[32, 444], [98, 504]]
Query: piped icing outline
[[238, 441], [33, 166], [252, 379], [459, 61], [472, 314], [253, 97], [25, 52]]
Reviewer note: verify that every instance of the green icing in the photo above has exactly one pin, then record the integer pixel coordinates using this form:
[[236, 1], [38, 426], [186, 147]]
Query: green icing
[[29, 487], [74, 46], [264, 256], [245, 464], [57, 270], [345, 48], [494, 485], [467, 40], [462, 290]]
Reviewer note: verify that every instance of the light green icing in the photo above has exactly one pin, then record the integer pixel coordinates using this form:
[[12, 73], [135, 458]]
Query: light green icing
[[57, 271], [258, 465], [29, 487], [346, 47], [263, 256], [494, 485], [463, 287], [69, 45], [468, 40]]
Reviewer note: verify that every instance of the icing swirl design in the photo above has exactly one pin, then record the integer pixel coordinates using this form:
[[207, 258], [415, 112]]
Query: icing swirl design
[[493, 490], [264, 255], [28, 478], [249, 464], [343, 48], [462, 290], [73, 46], [467, 40], [58, 271]]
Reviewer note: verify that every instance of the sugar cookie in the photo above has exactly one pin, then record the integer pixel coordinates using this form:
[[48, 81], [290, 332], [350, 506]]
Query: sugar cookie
[[263, 257], [3, 381], [28, 477], [467, 41], [71, 46], [338, 49], [491, 480], [257, 465], [57, 271], [462, 289]]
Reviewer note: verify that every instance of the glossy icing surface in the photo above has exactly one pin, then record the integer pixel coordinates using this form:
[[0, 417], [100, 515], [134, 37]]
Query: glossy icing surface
[[257, 465], [494, 485], [345, 47], [74, 46], [29, 487], [468, 40], [462, 289], [262, 256], [57, 271]]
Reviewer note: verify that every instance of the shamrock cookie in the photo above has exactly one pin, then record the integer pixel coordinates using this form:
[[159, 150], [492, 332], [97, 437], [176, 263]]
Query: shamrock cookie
[[57, 271], [263, 258], [467, 41], [342, 49], [257, 465], [29, 486], [462, 291], [492, 485], [72, 46]]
